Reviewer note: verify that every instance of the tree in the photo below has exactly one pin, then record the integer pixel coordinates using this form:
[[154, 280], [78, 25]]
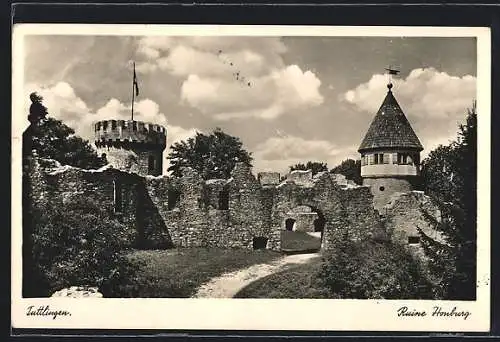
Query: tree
[[369, 269], [316, 167], [52, 139], [450, 177], [79, 244], [351, 169], [212, 155], [38, 111]]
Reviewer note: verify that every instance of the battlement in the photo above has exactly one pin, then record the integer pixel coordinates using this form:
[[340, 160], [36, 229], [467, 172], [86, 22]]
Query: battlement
[[117, 132]]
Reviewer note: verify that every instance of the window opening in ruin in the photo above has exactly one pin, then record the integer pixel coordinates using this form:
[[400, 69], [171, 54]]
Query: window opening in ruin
[[173, 197], [134, 126], [117, 196], [151, 165], [290, 224], [413, 240], [381, 188], [259, 242], [224, 200]]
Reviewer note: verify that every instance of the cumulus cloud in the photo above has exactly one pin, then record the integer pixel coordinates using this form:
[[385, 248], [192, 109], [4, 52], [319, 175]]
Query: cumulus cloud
[[433, 101], [64, 104], [232, 77], [279, 153]]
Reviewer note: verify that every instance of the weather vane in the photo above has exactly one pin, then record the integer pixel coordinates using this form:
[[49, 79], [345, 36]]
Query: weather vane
[[391, 71]]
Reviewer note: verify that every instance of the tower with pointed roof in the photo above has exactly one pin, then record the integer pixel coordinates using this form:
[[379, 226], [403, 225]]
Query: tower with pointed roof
[[390, 152]]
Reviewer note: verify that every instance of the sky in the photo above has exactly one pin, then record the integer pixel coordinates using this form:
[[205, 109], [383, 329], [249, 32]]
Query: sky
[[289, 99]]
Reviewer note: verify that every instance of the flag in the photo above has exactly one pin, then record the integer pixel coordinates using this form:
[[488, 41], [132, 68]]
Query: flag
[[136, 85]]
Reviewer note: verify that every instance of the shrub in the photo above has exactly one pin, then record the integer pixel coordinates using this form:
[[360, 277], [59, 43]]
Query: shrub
[[372, 270], [80, 244]]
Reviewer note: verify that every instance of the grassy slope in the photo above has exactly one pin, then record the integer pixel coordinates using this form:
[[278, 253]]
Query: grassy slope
[[299, 241], [293, 282], [177, 273]]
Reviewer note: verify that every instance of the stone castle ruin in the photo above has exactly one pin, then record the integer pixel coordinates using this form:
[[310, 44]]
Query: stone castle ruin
[[247, 211]]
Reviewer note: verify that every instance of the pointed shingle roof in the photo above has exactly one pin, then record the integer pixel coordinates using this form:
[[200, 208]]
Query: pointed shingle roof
[[390, 128]]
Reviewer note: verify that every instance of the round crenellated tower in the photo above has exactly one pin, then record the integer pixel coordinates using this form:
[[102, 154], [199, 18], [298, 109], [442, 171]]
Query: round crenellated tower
[[390, 152], [131, 145]]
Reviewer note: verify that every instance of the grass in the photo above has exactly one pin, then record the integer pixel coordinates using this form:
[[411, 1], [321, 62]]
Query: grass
[[177, 273], [295, 282], [294, 241]]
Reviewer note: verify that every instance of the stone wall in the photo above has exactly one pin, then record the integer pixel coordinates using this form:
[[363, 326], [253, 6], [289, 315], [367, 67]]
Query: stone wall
[[269, 178], [135, 159], [227, 213], [404, 214], [383, 188]]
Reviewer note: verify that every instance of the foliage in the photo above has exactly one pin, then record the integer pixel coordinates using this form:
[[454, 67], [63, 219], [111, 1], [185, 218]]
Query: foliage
[[52, 139], [212, 156], [79, 244], [316, 167], [369, 269], [450, 176], [38, 111], [351, 169], [177, 273]]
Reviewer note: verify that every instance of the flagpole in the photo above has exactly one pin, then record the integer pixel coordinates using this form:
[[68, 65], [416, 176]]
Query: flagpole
[[133, 92]]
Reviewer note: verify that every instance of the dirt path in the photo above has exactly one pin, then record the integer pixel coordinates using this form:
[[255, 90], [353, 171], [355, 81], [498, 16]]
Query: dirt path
[[228, 284]]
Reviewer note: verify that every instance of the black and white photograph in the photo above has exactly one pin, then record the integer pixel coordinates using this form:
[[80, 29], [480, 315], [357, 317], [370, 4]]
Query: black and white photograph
[[284, 166]]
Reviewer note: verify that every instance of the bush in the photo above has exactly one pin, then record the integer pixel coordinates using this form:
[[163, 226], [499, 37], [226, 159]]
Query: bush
[[372, 270], [80, 244]]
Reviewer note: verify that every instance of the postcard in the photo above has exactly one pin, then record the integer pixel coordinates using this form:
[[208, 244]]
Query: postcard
[[207, 177]]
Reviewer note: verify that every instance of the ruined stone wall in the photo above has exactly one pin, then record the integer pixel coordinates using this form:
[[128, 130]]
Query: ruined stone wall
[[404, 214], [226, 213], [133, 159], [54, 185], [269, 178]]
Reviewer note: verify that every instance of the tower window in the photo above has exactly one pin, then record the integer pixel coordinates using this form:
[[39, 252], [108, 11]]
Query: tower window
[[381, 188], [386, 159], [402, 158], [113, 124], [105, 125], [134, 126], [378, 158]]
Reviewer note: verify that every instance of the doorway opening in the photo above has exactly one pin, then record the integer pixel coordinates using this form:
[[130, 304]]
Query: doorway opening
[[259, 242], [290, 224]]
